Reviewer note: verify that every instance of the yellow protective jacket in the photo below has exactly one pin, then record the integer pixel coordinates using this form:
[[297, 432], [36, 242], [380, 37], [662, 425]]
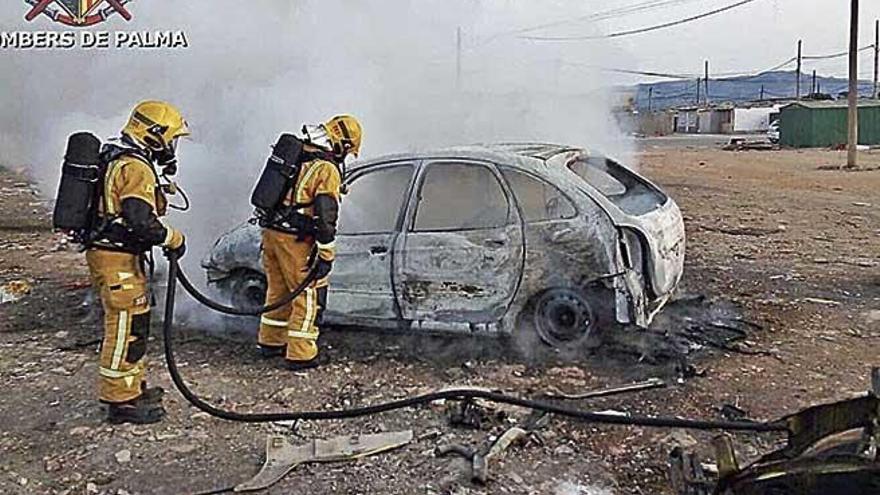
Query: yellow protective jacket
[[132, 204], [318, 187]]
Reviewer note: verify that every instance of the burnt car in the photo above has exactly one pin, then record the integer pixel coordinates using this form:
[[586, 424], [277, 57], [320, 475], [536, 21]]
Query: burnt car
[[546, 243]]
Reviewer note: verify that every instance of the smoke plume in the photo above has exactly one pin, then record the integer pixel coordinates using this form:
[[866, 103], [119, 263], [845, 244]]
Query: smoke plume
[[257, 68]]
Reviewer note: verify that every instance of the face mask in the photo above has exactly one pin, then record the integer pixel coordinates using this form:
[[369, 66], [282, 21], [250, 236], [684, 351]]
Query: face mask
[[167, 159]]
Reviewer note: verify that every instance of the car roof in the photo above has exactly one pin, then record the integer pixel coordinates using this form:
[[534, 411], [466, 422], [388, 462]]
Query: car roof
[[526, 155]]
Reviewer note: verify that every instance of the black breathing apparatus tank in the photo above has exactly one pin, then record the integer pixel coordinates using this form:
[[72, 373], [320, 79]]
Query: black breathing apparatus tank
[[278, 178], [81, 186]]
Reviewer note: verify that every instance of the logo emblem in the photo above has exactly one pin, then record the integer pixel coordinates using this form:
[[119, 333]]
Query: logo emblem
[[78, 13]]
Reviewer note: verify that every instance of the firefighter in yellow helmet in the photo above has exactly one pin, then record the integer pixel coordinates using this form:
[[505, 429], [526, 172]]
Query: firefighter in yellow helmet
[[129, 212], [292, 330]]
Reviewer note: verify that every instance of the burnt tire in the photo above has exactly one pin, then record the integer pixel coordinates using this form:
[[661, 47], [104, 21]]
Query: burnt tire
[[246, 290], [563, 322]]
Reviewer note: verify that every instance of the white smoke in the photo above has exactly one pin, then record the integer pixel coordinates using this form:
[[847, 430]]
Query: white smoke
[[257, 68]]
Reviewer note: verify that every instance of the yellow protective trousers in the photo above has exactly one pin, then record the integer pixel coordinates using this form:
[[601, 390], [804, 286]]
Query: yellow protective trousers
[[286, 263], [119, 279]]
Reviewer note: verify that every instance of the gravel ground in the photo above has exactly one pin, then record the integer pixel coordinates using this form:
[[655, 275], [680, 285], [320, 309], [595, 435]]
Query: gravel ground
[[774, 239]]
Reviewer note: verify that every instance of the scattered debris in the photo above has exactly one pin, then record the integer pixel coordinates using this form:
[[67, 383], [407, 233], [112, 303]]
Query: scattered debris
[[745, 231], [282, 457], [492, 448], [731, 412], [80, 344], [14, 290], [606, 392], [741, 144], [687, 326], [686, 475], [466, 414], [831, 448], [123, 456], [816, 300]]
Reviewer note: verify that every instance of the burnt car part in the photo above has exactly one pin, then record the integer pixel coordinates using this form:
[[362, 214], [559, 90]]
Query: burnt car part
[[175, 274], [831, 448], [563, 317], [282, 457]]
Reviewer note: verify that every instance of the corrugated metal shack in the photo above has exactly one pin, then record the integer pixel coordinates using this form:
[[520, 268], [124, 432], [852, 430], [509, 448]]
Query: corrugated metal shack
[[820, 124], [714, 120]]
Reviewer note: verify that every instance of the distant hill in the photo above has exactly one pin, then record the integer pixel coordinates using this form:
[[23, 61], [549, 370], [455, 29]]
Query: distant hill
[[777, 85]]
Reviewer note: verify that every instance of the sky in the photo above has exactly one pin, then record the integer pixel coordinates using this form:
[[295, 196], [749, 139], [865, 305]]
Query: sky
[[257, 68], [746, 39]]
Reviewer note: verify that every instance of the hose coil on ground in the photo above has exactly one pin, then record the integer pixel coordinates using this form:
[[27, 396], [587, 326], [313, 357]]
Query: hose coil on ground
[[175, 274]]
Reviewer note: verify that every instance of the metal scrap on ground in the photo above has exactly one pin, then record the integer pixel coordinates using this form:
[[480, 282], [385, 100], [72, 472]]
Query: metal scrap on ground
[[283, 457], [831, 448], [607, 392]]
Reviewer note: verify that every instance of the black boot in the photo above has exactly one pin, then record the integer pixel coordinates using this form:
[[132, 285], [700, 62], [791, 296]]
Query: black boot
[[270, 351], [319, 360], [137, 411], [151, 395]]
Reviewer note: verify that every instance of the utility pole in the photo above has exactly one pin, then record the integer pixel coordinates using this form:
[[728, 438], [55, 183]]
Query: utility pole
[[813, 87], [707, 83], [458, 59], [699, 82], [876, 59], [651, 99], [853, 128], [799, 60], [762, 92]]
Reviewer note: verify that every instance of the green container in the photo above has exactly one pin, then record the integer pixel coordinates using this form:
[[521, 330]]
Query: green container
[[822, 124]]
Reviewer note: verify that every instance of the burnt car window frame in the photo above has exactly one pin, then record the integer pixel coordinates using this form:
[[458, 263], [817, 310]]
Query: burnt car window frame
[[566, 196], [633, 181], [405, 197], [415, 194]]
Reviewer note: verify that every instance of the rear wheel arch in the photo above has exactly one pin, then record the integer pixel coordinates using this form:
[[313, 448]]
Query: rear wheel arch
[[641, 262]]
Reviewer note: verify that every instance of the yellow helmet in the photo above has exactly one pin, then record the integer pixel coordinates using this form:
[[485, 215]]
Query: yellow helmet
[[155, 125], [345, 134]]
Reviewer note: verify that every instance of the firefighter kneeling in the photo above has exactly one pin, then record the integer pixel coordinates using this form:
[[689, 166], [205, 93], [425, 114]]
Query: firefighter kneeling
[[299, 227], [110, 200]]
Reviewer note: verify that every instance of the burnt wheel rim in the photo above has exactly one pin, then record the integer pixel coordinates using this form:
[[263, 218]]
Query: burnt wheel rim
[[563, 317], [249, 294]]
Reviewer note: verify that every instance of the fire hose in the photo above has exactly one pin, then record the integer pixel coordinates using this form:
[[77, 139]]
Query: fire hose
[[175, 274]]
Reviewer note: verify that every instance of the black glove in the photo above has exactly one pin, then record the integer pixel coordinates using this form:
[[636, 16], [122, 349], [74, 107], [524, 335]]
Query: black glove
[[323, 269], [178, 251]]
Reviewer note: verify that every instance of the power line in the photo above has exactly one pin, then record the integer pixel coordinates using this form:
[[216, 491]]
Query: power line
[[596, 16], [836, 55], [644, 29], [726, 76]]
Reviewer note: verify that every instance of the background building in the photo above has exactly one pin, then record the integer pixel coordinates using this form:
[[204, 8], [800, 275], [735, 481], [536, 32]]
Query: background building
[[819, 124]]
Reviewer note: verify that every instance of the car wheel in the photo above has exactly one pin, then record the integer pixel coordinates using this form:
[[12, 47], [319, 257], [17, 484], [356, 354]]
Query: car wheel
[[246, 290], [563, 318], [563, 322]]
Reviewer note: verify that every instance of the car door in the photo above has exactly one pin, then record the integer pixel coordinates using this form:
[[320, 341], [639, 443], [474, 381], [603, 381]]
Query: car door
[[461, 259], [369, 223]]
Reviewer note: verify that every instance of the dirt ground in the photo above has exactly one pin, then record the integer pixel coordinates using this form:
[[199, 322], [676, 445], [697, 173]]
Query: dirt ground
[[794, 246]]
